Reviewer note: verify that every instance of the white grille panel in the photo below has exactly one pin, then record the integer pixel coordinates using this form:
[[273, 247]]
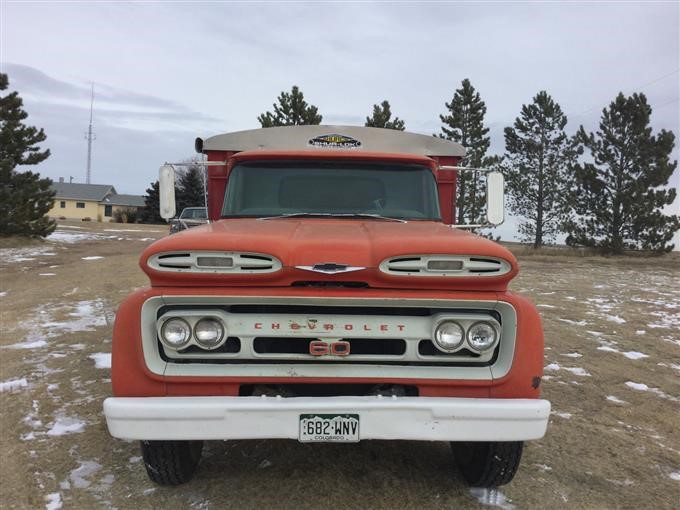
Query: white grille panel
[[214, 262], [445, 265]]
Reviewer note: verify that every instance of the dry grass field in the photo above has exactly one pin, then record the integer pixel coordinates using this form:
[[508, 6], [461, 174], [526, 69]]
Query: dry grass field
[[612, 372]]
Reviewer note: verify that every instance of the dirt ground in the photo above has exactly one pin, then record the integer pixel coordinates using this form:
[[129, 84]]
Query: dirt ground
[[612, 374]]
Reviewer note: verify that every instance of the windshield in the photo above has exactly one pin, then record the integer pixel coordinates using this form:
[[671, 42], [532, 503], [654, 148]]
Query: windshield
[[271, 189], [194, 213]]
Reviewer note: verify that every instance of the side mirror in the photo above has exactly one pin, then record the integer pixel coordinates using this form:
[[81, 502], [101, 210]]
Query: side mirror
[[495, 193], [166, 191]]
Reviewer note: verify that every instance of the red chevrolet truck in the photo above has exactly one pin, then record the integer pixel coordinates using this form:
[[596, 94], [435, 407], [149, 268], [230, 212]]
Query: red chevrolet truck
[[331, 297]]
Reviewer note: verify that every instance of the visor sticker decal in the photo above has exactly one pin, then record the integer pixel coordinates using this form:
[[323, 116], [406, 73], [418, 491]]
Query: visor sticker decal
[[334, 141]]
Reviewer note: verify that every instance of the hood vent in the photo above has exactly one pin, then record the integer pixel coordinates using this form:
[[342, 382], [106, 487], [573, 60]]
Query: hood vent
[[214, 262], [445, 265]]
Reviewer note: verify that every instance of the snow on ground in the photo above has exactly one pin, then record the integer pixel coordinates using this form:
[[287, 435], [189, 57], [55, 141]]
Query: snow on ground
[[60, 236], [130, 230], [30, 344], [101, 359], [53, 501], [3, 294], [566, 416], [675, 476], [13, 255], [643, 387], [92, 257], [66, 425], [616, 400], [47, 274], [13, 384], [491, 497], [553, 367], [79, 476]]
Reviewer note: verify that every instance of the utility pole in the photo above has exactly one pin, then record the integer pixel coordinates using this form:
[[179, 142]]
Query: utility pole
[[90, 137]]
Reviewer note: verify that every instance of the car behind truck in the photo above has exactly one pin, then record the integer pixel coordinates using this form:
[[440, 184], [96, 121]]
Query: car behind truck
[[330, 298]]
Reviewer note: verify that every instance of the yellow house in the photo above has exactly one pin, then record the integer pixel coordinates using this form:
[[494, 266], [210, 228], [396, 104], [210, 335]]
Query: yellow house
[[96, 202]]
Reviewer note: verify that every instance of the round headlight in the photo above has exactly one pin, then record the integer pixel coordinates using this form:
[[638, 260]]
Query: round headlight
[[482, 336], [449, 336], [175, 333], [209, 333]]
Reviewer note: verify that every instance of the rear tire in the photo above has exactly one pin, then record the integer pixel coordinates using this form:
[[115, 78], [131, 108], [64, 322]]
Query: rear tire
[[171, 462], [488, 464]]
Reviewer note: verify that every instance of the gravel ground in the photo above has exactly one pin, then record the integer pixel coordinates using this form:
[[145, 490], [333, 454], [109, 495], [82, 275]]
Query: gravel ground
[[612, 366]]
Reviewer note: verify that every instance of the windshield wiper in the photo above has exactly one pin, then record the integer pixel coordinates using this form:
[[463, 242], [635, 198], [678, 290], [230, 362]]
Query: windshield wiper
[[332, 215]]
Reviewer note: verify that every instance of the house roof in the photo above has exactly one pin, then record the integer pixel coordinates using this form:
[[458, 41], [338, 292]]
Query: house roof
[[128, 200], [79, 191]]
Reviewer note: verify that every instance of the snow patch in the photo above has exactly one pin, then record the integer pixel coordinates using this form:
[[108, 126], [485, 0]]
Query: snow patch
[[491, 497], [47, 274], [574, 370], [53, 501], [79, 476], [616, 400], [101, 359], [565, 416], [573, 355], [574, 323], [640, 332], [545, 306], [644, 387], [265, 464], [28, 345], [614, 318], [60, 236], [3, 294], [13, 384], [635, 355], [675, 476], [14, 255], [92, 257], [65, 425]]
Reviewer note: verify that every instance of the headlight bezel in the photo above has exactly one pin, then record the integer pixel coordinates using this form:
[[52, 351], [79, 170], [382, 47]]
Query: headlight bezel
[[220, 339], [192, 318], [466, 321], [437, 334], [493, 343], [165, 324]]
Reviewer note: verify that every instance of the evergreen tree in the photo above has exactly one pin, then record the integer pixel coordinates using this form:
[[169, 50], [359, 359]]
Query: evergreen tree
[[538, 155], [152, 212], [464, 123], [25, 198], [381, 118], [619, 196], [291, 110], [189, 188]]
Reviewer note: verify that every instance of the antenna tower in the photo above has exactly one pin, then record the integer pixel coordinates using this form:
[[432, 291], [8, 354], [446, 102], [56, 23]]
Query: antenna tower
[[90, 137]]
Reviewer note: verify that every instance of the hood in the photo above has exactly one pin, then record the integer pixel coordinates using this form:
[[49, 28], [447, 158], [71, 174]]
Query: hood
[[306, 242]]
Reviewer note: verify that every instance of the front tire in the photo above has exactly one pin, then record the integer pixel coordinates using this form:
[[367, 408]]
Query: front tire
[[171, 462], [488, 464]]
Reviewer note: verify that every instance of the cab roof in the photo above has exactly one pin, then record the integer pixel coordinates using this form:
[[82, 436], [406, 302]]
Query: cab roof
[[321, 137]]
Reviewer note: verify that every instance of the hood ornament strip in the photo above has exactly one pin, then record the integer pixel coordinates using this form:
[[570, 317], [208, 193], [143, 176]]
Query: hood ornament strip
[[330, 268]]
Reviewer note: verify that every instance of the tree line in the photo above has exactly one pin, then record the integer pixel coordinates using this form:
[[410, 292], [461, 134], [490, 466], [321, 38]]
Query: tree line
[[604, 189]]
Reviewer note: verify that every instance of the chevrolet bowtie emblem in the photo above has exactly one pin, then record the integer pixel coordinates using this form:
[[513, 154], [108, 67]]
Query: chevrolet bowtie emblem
[[330, 268]]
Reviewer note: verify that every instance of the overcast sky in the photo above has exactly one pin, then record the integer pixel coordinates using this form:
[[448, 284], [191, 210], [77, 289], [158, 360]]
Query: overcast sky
[[165, 73]]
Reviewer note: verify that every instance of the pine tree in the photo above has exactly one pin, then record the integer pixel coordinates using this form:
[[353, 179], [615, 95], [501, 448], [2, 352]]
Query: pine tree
[[538, 155], [464, 123], [25, 198], [619, 196], [291, 110], [189, 188], [151, 212], [381, 118]]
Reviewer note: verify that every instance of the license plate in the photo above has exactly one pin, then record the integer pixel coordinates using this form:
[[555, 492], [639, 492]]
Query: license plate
[[332, 428]]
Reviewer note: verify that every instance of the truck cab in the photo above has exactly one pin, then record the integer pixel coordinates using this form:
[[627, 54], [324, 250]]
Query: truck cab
[[330, 298]]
